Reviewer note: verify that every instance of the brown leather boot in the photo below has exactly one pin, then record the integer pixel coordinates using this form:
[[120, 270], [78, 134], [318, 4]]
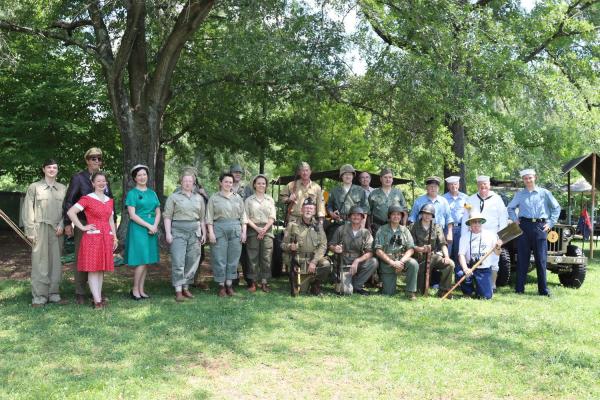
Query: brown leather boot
[[229, 291], [316, 288], [179, 297], [252, 287], [187, 293], [222, 291], [265, 287]]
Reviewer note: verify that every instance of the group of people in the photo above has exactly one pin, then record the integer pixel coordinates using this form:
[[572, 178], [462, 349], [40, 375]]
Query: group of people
[[366, 233]]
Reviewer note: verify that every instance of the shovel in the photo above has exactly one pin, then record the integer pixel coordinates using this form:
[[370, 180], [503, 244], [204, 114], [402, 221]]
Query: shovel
[[512, 231]]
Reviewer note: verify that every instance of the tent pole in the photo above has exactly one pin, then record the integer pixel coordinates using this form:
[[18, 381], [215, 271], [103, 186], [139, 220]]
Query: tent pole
[[569, 198]]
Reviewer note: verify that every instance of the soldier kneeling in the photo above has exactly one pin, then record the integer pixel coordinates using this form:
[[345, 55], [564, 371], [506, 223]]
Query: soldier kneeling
[[305, 243], [394, 248], [353, 245], [429, 238]]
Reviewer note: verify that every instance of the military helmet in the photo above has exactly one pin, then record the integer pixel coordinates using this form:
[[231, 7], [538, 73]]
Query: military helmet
[[428, 208], [308, 202], [396, 208], [356, 209], [236, 168], [347, 168]]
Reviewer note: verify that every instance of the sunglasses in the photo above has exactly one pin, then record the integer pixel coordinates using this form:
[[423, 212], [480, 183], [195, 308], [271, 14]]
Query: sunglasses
[[94, 158]]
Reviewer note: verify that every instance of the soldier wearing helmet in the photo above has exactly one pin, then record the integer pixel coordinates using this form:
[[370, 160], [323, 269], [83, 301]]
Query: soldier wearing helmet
[[343, 197], [294, 194], [429, 238], [443, 217], [394, 247], [354, 244]]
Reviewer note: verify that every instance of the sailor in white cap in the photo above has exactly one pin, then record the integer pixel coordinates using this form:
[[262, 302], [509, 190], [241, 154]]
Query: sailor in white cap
[[538, 212], [456, 200], [492, 208]]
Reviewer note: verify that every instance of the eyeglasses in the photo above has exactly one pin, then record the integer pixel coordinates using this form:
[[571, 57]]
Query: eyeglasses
[[93, 158]]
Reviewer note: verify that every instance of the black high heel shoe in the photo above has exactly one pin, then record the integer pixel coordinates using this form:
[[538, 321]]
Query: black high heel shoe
[[144, 297], [133, 296]]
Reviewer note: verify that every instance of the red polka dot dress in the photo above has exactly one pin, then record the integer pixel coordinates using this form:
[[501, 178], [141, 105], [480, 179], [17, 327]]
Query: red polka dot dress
[[96, 248]]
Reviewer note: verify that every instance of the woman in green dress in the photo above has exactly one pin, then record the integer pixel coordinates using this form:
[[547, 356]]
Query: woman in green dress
[[141, 246]]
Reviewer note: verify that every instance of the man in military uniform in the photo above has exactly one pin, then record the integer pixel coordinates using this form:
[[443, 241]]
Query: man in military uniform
[[239, 186], [443, 216], [538, 213], [342, 198], [42, 218], [429, 238], [305, 241], [491, 207], [382, 198], [364, 178], [456, 199], [354, 245], [80, 185], [394, 247], [299, 190]]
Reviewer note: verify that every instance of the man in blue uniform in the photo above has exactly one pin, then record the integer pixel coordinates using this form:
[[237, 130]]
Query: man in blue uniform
[[442, 208], [538, 212], [456, 200]]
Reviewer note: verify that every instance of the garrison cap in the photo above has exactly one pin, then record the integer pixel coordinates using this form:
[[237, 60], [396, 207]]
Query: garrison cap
[[385, 171], [395, 208], [236, 168], [528, 171], [453, 179], [347, 168], [356, 209], [433, 179]]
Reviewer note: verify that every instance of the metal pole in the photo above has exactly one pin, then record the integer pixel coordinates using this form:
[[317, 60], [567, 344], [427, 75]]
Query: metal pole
[[569, 198]]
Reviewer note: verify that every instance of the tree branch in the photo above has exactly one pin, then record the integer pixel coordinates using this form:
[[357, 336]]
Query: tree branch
[[71, 26], [187, 23], [48, 34], [136, 10], [103, 43], [572, 80]]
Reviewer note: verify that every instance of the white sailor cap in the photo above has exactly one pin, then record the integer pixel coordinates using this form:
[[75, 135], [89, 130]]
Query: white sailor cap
[[529, 171], [453, 179], [483, 178]]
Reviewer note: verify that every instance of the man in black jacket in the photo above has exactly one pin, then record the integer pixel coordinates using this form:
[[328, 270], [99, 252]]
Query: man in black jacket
[[81, 185]]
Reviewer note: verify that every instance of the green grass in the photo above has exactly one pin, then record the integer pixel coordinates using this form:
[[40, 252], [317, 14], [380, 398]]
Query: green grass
[[273, 346]]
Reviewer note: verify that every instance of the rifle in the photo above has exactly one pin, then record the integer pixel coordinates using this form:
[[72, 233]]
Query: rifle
[[15, 228], [295, 279], [290, 205], [428, 263]]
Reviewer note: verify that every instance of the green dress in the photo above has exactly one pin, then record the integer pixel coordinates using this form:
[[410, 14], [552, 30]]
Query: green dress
[[141, 248]]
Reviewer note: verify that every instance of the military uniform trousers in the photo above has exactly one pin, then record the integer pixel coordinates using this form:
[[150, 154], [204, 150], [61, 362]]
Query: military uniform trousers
[[389, 276], [322, 273], [533, 239], [225, 254], [46, 268], [81, 277], [260, 253], [437, 264], [365, 270], [185, 252], [453, 246], [481, 280]]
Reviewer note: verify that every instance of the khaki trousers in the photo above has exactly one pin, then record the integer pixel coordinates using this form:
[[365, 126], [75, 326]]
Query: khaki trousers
[[46, 268]]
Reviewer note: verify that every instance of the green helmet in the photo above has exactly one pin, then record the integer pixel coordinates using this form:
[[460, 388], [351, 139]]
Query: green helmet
[[396, 208], [356, 209], [236, 168], [347, 168], [428, 208]]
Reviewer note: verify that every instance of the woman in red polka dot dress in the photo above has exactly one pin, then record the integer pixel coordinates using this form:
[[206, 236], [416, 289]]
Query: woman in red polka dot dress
[[99, 240]]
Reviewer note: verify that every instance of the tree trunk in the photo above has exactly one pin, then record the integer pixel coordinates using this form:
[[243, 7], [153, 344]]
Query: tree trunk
[[458, 148]]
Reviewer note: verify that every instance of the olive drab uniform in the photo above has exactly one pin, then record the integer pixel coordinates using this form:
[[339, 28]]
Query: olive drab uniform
[[312, 245], [379, 202], [341, 201], [438, 240], [303, 192], [395, 243], [355, 246], [42, 215]]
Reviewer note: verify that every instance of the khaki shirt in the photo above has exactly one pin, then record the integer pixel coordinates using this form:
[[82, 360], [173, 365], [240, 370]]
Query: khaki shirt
[[225, 208], [421, 236], [180, 207], [260, 211], [311, 239], [43, 205], [341, 201], [384, 240], [354, 246], [244, 190], [312, 190], [379, 203]]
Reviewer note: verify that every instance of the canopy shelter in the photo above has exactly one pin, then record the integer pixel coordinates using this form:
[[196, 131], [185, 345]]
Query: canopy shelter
[[588, 167], [335, 175]]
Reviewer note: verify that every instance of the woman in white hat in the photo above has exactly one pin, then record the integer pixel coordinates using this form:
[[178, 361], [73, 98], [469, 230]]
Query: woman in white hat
[[473, 246]]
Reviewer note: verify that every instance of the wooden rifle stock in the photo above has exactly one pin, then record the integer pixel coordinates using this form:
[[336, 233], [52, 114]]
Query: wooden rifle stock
[[428, 263]]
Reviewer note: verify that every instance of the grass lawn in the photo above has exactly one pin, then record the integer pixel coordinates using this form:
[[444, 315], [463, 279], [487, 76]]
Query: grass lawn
[[272, 346]]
